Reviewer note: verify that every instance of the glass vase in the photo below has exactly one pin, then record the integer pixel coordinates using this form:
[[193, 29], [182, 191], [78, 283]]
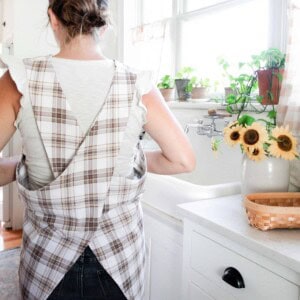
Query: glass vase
[[269, 175]]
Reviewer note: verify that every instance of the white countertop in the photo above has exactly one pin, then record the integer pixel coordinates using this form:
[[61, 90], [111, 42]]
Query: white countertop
[[227, 216]]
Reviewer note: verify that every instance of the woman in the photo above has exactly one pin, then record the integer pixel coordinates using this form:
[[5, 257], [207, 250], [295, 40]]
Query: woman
[[82, 171]]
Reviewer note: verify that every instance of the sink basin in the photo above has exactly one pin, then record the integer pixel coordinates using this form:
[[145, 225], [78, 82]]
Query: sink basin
[[166, 192], [215, 175]]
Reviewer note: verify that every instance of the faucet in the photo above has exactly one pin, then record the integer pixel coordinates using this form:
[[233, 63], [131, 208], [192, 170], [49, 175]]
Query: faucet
[[210, 129]]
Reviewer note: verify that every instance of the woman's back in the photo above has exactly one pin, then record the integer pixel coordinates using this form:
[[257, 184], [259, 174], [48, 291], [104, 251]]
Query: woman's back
[[91, 204], [85, 84]]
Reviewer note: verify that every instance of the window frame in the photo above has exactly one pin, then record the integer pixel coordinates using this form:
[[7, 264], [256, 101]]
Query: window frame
[[277, 26]]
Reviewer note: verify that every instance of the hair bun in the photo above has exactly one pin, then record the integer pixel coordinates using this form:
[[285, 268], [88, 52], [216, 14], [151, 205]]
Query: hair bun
[[93, 19], [80, 16]]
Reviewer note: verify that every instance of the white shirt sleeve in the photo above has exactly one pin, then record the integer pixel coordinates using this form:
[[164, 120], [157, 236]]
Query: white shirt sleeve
[[144, 82], [135, 124]]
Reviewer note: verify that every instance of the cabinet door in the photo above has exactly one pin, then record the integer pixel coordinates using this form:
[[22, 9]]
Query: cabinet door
[[164, 269], [195, 293], [210, 259]]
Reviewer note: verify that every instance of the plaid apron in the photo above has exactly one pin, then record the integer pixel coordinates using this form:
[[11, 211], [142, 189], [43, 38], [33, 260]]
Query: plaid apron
[[87, 204]]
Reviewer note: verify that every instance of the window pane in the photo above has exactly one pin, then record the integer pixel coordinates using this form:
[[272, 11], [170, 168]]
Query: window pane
[[154, 10], [149, 48], [234, 33], [130, 13], [197, 4]]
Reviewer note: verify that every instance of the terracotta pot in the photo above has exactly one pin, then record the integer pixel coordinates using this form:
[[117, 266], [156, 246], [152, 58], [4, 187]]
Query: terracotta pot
[[199, 93], [168, 94], [228, 91], [268, 82]]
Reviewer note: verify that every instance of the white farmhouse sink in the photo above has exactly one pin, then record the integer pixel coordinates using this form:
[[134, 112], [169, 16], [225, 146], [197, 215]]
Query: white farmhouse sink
[[215, 175], [166, 192]]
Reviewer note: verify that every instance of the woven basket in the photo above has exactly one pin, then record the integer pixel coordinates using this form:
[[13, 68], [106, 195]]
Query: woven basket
[[273, 210]]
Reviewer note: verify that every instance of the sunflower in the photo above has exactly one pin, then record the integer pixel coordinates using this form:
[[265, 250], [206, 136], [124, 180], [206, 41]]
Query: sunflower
[[232, 134], [283, 144], [254, 136], [256, 154]]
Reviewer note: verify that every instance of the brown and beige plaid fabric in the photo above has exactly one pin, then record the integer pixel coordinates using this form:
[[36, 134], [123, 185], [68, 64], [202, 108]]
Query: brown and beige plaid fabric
[[288, 110], [87, 203]]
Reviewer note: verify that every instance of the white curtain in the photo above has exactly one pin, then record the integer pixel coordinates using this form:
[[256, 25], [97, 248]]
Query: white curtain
[[149, 48], [288, 111], [289, 105]]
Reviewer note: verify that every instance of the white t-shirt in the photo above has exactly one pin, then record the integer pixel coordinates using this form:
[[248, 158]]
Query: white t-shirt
[[83, 95], [85, 85]]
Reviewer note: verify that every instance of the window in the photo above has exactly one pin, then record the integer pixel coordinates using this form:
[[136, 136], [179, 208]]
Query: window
[[155, 10], [232, 33], [191, 5], [147, 35], [164, 36]]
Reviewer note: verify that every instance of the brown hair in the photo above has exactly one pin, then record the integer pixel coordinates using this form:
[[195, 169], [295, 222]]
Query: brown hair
[[80, 16]]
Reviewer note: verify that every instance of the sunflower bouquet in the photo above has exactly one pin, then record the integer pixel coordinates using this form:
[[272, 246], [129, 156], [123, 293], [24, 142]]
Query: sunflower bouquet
[[260, 139]]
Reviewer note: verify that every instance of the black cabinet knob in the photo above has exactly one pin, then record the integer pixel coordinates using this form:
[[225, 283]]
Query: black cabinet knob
[[233, 277]]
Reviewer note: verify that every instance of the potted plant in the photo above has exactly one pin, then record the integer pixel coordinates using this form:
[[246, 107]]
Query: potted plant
[[227, 77], [240, 89], [198, 87], [166, 86], [270, 66], [244, 87], [267, 150], [182, 79], [241, 94]]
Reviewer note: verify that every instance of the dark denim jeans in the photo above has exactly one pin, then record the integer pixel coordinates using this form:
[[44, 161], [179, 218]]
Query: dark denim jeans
[[87, 280]]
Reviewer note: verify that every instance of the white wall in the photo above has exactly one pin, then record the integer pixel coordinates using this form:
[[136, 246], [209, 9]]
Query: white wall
[[6, 15], [211, 168], [110, 42], [32, 36], [1, 20]]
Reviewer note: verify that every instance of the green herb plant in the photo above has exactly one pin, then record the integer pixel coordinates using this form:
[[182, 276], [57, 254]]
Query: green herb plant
[[166, 82], [195, 82], [271, 58], [244, 86], [185, 73]]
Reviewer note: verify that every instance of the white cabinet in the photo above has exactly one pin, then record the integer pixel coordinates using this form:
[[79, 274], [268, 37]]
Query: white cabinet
[[164, 255], [196, 293], [224, 258], [210, 259]]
